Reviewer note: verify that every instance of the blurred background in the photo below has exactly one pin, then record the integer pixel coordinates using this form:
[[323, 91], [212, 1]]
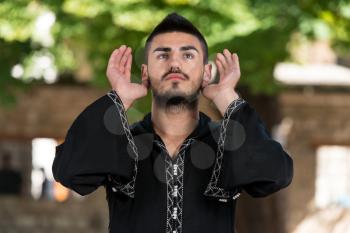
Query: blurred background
[[295, 62]]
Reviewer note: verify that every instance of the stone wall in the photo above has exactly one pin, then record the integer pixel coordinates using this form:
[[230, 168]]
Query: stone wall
[[23, 215], [320, 117], [45, 111]]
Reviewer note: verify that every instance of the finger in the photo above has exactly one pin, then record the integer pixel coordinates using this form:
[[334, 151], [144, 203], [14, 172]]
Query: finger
[[128, 66], [125, 57], [128, 63], [220, 67], [236, 61], [228, 56], [120, 55], [222, 59], [236, 66], [111, 61]]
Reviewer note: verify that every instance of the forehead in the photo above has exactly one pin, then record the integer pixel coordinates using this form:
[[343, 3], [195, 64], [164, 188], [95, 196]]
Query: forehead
[[175, 40]]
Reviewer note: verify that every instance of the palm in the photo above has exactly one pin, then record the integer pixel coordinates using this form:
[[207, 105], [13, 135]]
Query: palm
[[119, 76], [229, 71]]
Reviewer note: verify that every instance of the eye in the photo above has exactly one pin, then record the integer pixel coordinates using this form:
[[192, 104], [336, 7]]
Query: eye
[[162, 56], [188, 55]]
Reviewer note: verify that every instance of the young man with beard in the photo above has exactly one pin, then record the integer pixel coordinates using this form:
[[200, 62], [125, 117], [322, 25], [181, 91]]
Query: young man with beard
[[174, 171]]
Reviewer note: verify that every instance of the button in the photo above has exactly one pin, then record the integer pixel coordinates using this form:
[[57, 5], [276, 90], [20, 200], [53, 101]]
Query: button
[[114, 189], [236, 196], [175, 191], [175, 169], [174, 213]]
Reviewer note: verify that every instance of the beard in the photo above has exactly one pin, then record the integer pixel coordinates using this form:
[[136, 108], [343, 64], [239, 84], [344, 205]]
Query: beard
[[174, 99]]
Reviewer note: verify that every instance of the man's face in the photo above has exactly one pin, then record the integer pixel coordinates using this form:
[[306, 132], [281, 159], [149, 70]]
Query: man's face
[[175, 66]]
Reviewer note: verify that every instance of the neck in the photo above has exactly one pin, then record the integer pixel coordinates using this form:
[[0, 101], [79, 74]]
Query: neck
[[174, 122]]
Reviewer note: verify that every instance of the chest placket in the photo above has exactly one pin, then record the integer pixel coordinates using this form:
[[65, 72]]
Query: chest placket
[[174, 180]]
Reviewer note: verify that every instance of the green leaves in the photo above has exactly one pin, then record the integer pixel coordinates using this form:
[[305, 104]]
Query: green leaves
[[85, 32]]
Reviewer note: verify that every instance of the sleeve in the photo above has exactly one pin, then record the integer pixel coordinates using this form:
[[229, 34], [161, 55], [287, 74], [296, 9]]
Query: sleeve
[[94, 148], [253, 160]]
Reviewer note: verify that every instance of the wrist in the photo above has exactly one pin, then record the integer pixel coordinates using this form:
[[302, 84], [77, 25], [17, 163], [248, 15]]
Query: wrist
[[126, 103], [223, 100]]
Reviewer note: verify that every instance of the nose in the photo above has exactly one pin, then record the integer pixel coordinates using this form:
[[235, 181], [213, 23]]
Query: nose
[[174, 62]]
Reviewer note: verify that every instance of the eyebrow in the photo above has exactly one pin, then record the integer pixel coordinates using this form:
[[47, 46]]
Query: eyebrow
[[189, 47], [168, 49]]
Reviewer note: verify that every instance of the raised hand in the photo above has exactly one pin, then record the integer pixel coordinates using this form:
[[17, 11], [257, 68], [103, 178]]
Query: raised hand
[[224, 92], [119, 76]]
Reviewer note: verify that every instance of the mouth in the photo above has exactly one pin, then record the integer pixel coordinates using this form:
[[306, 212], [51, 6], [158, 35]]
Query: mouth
[[175, 77]]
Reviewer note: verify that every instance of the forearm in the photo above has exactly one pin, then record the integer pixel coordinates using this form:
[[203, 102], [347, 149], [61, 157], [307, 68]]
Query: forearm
[[95, 147], [258, 163]]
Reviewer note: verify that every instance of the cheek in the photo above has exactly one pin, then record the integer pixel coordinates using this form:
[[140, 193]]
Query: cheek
[[194, 68], [196, 75], [154, 75], [156, 70]]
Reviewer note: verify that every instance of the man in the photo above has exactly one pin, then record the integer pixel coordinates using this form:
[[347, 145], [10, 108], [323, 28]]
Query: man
[[175, 170]]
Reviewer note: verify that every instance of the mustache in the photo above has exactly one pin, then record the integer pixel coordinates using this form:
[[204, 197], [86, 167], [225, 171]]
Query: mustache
[[175, 72]]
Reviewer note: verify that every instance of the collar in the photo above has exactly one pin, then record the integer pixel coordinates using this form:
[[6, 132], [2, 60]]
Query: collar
[[202, 128]]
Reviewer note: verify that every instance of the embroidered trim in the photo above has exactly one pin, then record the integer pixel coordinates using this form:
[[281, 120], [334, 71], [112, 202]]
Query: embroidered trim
[[174, 180], [212, 190], [129, 188]]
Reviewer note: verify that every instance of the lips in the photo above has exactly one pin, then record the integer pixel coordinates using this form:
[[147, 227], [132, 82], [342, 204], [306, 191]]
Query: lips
[[175, 76]]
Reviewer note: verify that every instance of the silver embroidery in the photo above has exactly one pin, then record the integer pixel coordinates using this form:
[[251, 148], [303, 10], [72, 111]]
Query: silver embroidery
[[175, 186], [212, 190], [129, 188]]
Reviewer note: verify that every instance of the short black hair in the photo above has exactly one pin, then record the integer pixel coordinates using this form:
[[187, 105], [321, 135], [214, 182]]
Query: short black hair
[[174, 22]]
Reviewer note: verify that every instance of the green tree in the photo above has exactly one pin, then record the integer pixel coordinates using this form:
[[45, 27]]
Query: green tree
[[72, 39]]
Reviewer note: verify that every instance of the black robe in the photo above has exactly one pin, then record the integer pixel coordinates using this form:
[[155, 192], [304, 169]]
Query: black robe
[[148, 191]]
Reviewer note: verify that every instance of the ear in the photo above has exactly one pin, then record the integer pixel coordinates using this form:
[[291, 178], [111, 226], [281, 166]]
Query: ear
[[206, 75], [144, 75]]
